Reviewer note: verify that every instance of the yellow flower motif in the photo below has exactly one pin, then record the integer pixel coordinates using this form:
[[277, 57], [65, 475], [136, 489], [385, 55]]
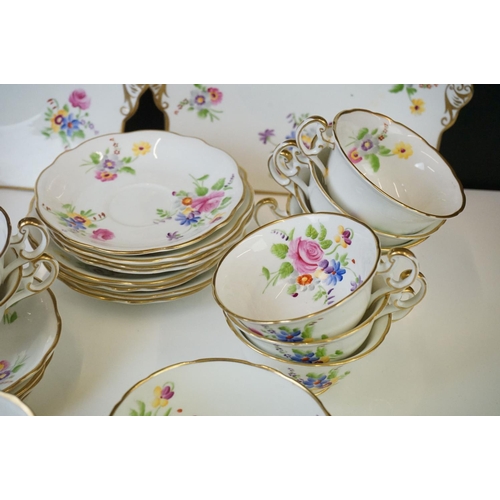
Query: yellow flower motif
[[187, 210], [418, 106], [158, 400], [141, 148], [57, 120], [403, 150], [339, 239], [307, 140]]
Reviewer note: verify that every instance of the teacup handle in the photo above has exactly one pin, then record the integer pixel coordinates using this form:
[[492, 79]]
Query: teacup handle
[[313, 145], [273, 205], [284, 165], [400, 308], [30, 283], [386, 270], [18, 242]]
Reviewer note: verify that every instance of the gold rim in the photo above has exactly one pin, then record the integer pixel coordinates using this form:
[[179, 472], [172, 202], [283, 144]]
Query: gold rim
[[371, 274], [383, 303], [384, 117], [206, 360], [333, 364], [154, 249], [26, 390], [49, 352]]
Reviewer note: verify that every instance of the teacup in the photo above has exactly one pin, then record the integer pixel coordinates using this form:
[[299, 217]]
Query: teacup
[[315, 376], [309, 267], [303, 347], [377, 170], [12, 406], [34, 277], [19, 243]]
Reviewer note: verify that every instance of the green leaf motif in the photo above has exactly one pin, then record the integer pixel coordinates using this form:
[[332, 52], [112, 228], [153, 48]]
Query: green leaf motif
[[79, 133], [95, 158], [203, 113], [320, 352], [410, 90], [280, 250], [203, 178], [291, 289], [266, 273], [128, 159], [326, 244], [322, 232], [384, 151], [374, 131], [133, 413], [332, 374], [311, 232], [17, 368], [285, 270], [127, 170], [374, 162], [201, 191], [307, 333], [362, 133], [219, 184], [66, 108], [142, 408], [320, 293], [147, 414], [167, 413], [397, 88]]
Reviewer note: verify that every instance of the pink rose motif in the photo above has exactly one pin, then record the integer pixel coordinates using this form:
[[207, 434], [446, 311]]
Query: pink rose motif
[[207, 203], [102, 235], [305, 255], [79, 99]]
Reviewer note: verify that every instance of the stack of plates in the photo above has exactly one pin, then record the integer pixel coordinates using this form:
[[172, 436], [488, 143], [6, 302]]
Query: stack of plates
[[142, 217]]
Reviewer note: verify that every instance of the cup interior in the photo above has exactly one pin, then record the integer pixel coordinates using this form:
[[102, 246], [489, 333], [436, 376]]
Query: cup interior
[[296, 267], [398, 162]]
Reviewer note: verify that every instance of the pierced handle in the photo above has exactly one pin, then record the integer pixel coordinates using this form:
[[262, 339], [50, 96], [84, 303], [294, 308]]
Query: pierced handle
[[273, 205]]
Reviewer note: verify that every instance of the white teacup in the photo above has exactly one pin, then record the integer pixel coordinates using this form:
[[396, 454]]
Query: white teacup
[[23, 281], [18, 242], [309, 267], [12, 406], [377, 170]]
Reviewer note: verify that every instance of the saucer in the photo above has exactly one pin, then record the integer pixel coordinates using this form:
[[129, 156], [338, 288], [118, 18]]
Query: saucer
[[124, 193], [28, 336], [218, 387]]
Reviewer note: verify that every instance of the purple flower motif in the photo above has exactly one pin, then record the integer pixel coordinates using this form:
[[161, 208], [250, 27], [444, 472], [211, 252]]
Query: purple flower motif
[[173, 236], [167, 393], [110, 164], [264, 136], [4, 369], [70, 125], [334, 272], [346, 236], [369, 144], [356, 284], [191, 218], [75, 223]]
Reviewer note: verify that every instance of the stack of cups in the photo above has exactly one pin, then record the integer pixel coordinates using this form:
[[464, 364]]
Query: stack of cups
[[24, 272]]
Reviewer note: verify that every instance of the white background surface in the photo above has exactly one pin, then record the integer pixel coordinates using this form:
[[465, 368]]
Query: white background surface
[[440, 360]]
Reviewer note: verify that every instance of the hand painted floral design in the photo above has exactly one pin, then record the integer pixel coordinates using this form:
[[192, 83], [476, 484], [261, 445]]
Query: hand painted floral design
[[108, 165], [69, 123], [9, 369], [320, 355], [286, 334], [310, 263], [160, 400], [9, 317], [417, 105], [316, 381], [202, 100], [294, 120], [83, 223], [368, 145], [197, 208]]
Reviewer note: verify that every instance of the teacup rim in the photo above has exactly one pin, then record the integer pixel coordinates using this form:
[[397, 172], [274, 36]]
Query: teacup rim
[[359, 354], [368, 279], [388, 196]]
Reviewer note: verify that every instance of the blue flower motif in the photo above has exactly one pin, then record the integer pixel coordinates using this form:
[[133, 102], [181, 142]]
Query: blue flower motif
[[334, 272], [286, 336], [70, 125], [191, 218], [310, 357], [316, 382], [74, 224]]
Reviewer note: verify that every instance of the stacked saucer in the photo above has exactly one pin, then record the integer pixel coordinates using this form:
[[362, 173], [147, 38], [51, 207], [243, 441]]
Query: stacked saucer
[[144, 216]]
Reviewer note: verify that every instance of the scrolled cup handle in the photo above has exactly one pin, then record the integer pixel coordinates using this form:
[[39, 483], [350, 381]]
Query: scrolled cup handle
[[312, 144], [387, 269], [31, 283], [273, 205], [284, 165], [402, 308]]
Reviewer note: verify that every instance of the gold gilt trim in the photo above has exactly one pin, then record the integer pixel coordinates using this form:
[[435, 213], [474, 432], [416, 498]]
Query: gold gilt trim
[[335, 364], [455, 98], [26, 390], [49, 352], [205, 360], [9, 232], [17, 401], [17, 188], [160, 97]]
